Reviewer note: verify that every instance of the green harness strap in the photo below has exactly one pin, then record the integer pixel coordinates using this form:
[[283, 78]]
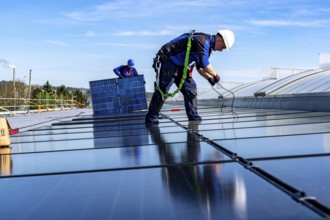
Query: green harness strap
[[184, 76]]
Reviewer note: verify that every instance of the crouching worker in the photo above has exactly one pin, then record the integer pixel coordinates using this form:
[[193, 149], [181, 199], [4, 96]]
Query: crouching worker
[[126, 70], [171, 66]]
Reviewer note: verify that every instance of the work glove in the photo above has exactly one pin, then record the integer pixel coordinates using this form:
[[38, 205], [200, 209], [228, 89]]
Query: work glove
[[211, 81], [216, 78], [120, 76]]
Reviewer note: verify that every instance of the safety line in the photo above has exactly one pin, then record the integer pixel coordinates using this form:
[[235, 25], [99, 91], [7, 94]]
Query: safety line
[[238, 127], [214, 129], [214, 110], [209, 121], [205, 130], [297, 195], [115, 117], [97, 121], [54, 119], [184, 118], [120, 115], [242, 115], [114, 120], [169, 122]]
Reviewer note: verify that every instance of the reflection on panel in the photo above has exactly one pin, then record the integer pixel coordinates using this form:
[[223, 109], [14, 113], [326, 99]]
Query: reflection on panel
[[131, 135], [308, 174], [109, 158], [222, 191], [279, 146], [6, 163]]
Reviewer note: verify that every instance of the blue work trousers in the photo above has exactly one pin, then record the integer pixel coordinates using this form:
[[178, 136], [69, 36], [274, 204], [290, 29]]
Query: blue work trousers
[[170, 74]]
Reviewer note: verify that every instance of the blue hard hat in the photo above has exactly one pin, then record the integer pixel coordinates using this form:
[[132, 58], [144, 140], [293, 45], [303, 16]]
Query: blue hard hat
[[130, 62]]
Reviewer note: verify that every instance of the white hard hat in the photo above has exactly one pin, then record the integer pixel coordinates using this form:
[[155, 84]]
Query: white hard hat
[[228, 37]]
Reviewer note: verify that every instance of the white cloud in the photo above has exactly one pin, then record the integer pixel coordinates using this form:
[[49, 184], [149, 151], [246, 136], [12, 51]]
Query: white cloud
[[287, 23]]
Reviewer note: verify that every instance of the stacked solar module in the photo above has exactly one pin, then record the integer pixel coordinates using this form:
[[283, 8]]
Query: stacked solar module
[[254, 164], [105, 96], [114, 96]]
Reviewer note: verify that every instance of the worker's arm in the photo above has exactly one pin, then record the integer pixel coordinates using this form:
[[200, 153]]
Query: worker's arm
[[209, 74], [209, 70], [117, 71]]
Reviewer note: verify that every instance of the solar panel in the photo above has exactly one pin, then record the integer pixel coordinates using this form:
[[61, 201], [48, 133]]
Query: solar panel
[[114, 96], [227, 166], [132, 94]]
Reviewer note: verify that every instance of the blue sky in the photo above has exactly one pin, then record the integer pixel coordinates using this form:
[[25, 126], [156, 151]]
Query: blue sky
[[74, 42]]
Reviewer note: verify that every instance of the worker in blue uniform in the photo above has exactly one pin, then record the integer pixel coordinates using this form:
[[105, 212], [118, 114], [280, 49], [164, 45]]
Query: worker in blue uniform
[[169, 67], [126, 70]]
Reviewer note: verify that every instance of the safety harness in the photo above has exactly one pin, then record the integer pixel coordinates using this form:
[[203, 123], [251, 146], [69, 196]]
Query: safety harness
[[185, 69]]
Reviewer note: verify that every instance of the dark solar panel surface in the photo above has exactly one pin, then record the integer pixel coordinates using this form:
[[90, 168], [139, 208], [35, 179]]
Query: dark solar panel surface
[[119, 168], [113, 96]]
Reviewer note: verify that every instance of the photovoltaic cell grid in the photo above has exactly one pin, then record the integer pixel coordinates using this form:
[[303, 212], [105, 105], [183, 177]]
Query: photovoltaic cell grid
[[114, 96], [118, 168], [132, 94], [104, 95]]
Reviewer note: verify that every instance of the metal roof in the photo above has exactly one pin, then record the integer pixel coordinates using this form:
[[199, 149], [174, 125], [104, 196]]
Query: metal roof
[[250, 164], [311, 81]]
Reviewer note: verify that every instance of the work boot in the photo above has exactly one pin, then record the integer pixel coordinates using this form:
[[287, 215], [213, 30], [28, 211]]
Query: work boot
[[151, 120]]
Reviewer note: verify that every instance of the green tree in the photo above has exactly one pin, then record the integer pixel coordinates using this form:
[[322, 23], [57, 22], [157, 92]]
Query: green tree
[[80, 96], [21, 89], [47, 87], [45, 96], [62, 91], [36, 92]]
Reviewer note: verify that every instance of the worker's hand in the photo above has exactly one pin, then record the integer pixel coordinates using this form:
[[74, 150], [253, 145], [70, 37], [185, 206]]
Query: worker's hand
[[211, 81], [120, 76], [216, 78]]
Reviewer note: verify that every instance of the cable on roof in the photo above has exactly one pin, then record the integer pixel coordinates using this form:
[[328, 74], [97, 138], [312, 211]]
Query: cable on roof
[[233, 99]]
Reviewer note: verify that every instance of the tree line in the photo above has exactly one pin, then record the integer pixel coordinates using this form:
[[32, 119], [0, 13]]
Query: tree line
[[41, 95]]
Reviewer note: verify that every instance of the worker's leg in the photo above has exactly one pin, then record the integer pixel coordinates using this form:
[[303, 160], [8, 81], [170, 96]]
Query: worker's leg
[[157, 100], [155, 106], [189, 91]]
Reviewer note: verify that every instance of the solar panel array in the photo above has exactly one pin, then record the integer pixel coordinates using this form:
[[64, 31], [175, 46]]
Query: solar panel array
[[254, 164], [114, 96]]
